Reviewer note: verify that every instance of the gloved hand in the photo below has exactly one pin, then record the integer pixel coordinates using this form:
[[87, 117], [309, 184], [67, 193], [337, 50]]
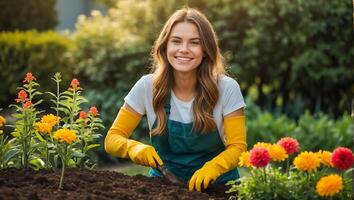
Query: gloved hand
[[205, 175], [118, 144], [143, 154], [235, 137]]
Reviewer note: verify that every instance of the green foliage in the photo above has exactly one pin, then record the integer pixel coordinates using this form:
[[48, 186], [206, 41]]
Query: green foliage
[[314, 132], [288, 52], [25, 15], [21, 52]]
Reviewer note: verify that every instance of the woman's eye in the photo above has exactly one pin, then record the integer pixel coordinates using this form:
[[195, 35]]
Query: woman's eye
[[176, 41], [196, 43]]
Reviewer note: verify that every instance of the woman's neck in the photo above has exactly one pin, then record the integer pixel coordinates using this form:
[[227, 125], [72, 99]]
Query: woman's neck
[[184, 85]]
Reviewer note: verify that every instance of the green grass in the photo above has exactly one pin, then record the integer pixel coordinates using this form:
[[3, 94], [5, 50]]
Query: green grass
[[129, 169]]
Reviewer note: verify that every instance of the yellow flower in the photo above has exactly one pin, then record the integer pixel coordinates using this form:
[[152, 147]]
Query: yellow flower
[[325, 157], [65, 135], [277, 153], [50, 119], [2, 121], [329, 185], [244, 159], [262, 144], [307, 161], [44, 127]]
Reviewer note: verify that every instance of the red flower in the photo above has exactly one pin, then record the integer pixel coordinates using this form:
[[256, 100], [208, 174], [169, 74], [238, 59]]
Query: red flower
[[94, 111], [289, 144], [259, 157], [75, 84], [29, 78], [342, 158], [21, 96], [27, 104], [83, 115]]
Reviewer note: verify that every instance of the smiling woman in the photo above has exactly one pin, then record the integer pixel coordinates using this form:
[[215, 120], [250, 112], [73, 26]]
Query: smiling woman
[[194, 111]]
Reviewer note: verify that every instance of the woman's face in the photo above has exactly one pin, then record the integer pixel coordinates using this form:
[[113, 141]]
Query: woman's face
[[184, 49]]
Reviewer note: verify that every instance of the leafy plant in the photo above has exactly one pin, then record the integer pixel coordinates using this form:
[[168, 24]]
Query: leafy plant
[[40, 142]]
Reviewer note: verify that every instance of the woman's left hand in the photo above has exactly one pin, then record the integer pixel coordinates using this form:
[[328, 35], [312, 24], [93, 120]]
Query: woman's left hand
[[205, 175]]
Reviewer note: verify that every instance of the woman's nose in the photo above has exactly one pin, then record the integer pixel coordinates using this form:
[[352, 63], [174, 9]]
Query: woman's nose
[[184, 48]]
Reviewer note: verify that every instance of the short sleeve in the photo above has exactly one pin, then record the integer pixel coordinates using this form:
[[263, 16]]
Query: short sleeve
[[136, 96], [231, 96]]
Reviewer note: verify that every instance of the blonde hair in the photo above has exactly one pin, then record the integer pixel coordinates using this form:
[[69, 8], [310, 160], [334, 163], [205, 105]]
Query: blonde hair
[[211, 67]]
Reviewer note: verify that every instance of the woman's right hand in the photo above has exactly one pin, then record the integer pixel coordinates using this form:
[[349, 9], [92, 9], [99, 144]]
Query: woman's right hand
[[143, 154]]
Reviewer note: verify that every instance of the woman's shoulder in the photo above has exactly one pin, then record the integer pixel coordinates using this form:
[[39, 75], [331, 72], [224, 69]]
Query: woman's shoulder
[[225, 82], [145, 79]]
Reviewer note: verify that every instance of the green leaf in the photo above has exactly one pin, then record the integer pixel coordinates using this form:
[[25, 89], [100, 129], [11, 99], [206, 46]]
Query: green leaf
[[92, 146], [10, 154], [77, 154]]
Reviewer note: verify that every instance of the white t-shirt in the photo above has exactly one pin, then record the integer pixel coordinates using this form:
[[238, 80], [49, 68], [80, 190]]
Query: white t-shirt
[[230, 99]]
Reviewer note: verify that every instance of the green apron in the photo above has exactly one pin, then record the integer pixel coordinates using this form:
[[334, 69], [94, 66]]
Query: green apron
[[183, 151]]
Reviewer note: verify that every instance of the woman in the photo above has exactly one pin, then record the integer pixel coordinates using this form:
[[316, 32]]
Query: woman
[[195, 112]]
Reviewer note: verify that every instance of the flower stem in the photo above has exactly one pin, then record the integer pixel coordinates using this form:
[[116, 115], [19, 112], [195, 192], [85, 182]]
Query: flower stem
[[287, 166], [63, 160], [265, 175]]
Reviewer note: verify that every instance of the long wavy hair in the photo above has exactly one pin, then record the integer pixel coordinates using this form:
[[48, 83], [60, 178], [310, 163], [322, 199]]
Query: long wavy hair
[[208, 71]]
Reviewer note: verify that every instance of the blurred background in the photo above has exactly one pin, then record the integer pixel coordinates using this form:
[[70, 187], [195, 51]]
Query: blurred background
[[292, 59]]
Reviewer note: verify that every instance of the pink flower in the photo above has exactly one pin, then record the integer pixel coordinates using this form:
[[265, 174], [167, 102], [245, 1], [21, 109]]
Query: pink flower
[[289, 144], [342, 158], [29, 78], [259, 157], [93, 111]]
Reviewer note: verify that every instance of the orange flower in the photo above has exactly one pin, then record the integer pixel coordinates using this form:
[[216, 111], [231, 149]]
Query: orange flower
[[29, 78], [325, 157], [307, 161], [27, 104], [50, 119], [244, 160], [83, 115], [277, 153], [262, 144], [93, 111], [2, 121], [75, 84], [329, 185], [65, 135], [21, 96], [45, 128]]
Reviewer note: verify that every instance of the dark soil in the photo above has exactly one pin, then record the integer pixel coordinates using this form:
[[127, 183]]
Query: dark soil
[[89, 184]]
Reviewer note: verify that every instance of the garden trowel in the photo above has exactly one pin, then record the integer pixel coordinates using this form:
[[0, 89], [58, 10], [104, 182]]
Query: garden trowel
[[168, 175]]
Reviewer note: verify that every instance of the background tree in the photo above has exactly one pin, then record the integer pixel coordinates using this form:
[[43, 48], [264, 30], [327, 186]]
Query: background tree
[[25, 15]]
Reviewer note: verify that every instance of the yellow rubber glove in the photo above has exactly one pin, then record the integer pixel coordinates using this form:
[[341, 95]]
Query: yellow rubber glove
[[118, 144], [235, 136]]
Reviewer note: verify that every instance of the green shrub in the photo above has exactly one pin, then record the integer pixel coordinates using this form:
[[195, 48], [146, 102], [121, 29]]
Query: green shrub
[[26, 15], [21, 52]]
